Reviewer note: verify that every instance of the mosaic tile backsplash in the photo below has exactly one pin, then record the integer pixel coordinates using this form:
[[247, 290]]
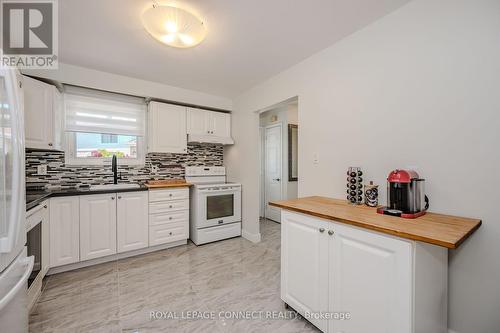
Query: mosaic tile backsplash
[[170, 166]]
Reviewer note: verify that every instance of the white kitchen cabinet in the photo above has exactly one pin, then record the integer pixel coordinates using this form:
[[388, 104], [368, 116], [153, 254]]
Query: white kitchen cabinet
[[371, 276], [168, 216], [64, 231], [132, 221], [43, 115], [209, 126], [167, 128], [330, 267], [197, 121], [97, 225], [304, 265], [220, 124]]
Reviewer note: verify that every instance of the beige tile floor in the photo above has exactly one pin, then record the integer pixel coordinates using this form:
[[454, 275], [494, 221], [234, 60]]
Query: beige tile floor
[[231, 275]]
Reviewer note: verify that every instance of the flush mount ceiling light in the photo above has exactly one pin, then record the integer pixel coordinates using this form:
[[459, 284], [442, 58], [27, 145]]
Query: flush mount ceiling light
[[174, 26]]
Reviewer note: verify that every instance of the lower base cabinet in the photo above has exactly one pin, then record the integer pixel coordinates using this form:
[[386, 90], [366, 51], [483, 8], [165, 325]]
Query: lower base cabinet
[[97, 226], [64, 231], [132, 226], [168, 216], [346, 279]]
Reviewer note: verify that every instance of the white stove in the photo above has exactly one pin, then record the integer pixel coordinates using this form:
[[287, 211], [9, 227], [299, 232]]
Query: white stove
[[215, 205]]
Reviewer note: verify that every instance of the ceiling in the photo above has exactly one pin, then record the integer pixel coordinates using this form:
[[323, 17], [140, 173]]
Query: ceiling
[[248, 41]]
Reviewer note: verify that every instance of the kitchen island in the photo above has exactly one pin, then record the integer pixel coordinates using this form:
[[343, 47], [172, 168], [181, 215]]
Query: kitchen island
[[348, 269]]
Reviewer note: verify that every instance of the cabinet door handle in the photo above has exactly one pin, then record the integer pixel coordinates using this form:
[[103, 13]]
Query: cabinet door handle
[[321, 230], [45, 206], [119, 197], [112, 198], [50, 145], [330, 232]]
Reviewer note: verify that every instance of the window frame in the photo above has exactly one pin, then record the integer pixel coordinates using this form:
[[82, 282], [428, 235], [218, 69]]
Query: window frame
[[70, 158]]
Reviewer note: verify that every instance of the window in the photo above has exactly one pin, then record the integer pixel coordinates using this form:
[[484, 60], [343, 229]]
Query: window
[[100, 125], [110, 138]]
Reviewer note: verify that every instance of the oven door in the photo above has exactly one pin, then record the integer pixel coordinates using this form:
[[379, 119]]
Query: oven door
[[219, 207]]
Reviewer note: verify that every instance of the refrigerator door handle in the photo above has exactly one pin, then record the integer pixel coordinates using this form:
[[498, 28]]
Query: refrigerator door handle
[[29, 262], [14, 222]]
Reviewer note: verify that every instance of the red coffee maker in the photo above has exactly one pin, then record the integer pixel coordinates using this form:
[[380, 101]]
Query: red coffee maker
[[405, 195]]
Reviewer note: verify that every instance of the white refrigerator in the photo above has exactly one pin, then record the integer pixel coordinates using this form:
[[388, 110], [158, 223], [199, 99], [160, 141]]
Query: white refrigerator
[[15, 266]]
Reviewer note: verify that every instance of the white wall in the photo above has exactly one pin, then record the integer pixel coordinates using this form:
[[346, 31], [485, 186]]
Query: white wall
[[90, 78], [420, 87]]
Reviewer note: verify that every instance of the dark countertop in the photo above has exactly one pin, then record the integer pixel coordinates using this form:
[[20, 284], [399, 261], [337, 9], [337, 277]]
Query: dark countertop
[[34, 198]]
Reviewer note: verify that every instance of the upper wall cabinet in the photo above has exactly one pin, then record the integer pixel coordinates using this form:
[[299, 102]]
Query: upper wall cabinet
[[209, 126], [43, 115], [167, 128]]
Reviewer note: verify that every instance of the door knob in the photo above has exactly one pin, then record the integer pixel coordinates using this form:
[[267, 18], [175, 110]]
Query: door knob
[[277, 179]]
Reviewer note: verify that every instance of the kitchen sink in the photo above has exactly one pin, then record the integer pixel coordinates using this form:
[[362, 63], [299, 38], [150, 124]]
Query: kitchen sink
[[108, 187]]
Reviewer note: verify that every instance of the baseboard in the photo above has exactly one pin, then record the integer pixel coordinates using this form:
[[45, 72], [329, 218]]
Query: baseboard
[[81, 264], [254, 238]]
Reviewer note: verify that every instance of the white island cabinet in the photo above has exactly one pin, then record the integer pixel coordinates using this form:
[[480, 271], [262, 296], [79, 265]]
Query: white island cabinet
[[378, 283]]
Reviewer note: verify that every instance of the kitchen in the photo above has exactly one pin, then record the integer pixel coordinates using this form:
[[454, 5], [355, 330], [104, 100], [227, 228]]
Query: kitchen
[[138, 158]]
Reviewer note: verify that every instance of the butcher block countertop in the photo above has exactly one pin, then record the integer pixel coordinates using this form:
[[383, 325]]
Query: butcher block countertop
[[443, 230], [167, 183]]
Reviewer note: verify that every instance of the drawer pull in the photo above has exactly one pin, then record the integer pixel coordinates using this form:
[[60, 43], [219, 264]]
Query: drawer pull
[[170, 233], [170, 218], [321, 230], [45, 206], [330, 232]]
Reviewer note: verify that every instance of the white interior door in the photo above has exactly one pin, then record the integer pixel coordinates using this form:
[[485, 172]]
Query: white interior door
[[273, 172]]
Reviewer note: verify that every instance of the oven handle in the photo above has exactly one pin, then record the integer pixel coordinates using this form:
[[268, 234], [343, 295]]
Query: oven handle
[[220, 191]]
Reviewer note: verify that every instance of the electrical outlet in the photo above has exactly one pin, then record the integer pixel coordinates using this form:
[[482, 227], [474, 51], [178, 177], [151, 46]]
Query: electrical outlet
[[41, 169]]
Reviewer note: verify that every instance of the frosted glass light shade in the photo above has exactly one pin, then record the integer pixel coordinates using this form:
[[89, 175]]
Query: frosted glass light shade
[[174, 26]]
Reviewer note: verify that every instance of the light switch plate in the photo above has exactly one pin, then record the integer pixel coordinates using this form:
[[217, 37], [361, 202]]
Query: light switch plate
[[41, 169], [316, 159]]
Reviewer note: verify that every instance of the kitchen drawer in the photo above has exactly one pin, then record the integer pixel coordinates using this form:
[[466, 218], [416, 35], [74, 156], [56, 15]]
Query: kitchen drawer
[[169, 218], [168, 206], [167, 233], [171, 194], [37, 214]]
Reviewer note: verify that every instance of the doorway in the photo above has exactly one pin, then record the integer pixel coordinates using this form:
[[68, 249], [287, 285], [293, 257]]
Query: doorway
[[278, 156], [273, 170]]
